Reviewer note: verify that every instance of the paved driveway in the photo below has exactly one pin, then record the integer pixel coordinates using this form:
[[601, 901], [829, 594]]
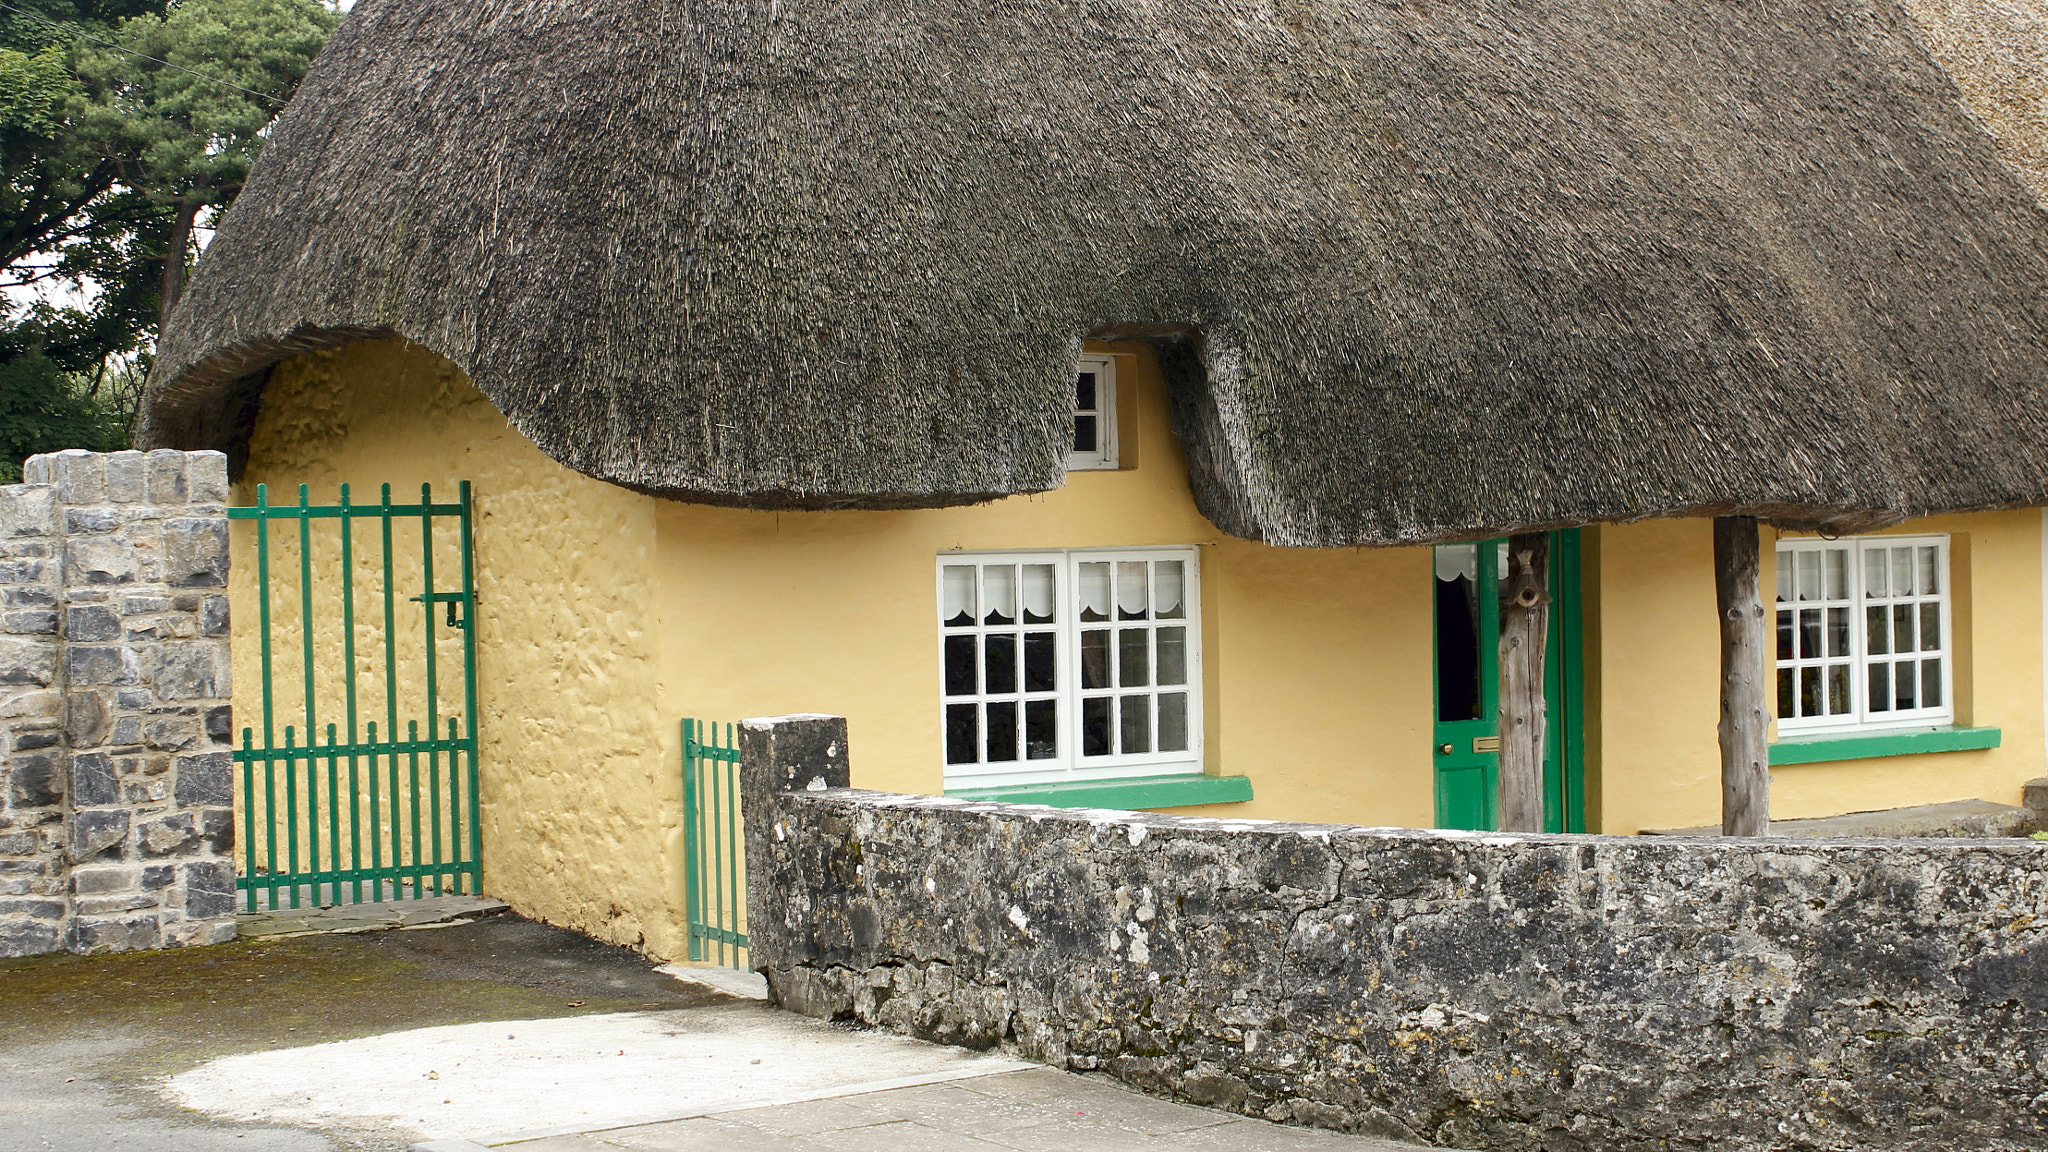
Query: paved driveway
[[504, 1032]]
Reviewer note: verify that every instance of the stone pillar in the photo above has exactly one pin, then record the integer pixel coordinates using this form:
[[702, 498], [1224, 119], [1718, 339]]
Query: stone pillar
[[781, 754], [35, 896], [135, 578]]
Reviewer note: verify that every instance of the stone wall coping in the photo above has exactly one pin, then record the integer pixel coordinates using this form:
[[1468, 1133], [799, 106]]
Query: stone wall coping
[[860, 798]]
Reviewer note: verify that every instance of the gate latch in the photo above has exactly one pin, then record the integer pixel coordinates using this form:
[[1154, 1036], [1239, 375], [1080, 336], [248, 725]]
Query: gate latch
[[451, 599]]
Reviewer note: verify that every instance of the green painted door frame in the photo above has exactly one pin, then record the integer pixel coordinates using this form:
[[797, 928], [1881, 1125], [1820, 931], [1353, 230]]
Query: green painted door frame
[[1466, 695]]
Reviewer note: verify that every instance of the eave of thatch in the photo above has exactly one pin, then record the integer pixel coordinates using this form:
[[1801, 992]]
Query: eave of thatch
[[1417, 271]]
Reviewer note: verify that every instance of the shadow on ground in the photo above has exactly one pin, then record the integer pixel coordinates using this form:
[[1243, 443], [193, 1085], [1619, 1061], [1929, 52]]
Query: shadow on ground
[[83, 1038]]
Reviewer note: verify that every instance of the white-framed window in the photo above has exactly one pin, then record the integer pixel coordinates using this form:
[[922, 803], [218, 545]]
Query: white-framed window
[[1069, 665], [1863, 634], [1094, 412]]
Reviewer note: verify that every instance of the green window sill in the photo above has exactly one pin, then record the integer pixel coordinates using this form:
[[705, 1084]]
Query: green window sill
[[1863, 746], [1128, 795]]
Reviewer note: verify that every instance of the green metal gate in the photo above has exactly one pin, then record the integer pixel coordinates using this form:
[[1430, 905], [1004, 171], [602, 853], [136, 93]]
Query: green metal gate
[[353, 811], [714, 866]]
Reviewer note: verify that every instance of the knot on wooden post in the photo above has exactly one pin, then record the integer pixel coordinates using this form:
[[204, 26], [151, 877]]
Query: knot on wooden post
[[1528, 589]]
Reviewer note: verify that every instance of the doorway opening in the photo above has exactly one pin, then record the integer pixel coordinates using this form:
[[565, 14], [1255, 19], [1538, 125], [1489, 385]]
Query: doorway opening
[[1470, 580]]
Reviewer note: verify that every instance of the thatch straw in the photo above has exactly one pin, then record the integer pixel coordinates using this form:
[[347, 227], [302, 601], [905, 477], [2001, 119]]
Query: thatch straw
[[1997, 53], [1419, 270]]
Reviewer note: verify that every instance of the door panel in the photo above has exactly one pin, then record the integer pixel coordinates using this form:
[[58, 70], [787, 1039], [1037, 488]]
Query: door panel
[[1467, 581]]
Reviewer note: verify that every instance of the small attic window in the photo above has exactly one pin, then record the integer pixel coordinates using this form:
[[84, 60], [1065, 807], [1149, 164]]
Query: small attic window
[[1094, 411]]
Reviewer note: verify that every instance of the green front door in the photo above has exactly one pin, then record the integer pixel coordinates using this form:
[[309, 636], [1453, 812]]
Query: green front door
[[1466, 733]]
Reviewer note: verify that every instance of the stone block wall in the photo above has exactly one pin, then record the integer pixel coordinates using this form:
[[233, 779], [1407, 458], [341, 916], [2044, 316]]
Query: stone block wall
[[116, 820], [1486, 991]]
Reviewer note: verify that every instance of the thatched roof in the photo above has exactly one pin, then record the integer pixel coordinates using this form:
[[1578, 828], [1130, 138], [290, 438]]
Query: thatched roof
[[1418, 270]]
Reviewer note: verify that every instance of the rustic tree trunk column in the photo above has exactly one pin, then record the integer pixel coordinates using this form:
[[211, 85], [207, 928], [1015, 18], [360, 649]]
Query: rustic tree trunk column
[[1745, 709], [1524, 632]]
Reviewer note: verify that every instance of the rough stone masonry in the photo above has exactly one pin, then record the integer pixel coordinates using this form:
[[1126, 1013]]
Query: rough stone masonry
[[117, 786], [1476, 990]]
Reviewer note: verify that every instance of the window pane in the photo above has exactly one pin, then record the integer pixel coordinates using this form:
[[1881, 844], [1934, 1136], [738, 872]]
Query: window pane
[[1837, 572], [1134, 658], [1786, 562], [1095, 658], [1880, 687], [1084, 391], [960, 733], [1041, 729], [1930, 683], [1041, 667], [1876, 640], [1930, 571], [1084, 434], [1809, 575], [999, 594], [1094, 592], [1902, 571], [1785, 701], [1095, 726], [1930, 627], [1902, 628], [1173, 655], [1038, 594], [1838, 631], [1132, 602], [960, 666], [1838, 689], [1457, 632], [1135, 732], [957, 601], [1002, 731], [1000, 657], [1874, 581], [1907, 682], [1809, 633], [1173, 722], [1809, 692], [1167, 577], [1785, 634]]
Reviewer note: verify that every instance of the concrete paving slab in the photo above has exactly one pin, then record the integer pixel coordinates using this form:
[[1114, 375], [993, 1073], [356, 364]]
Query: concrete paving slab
[[955, 1107], [806, 1118], [555, 1076], [1032, 1110], [702, 1134], [372, 917], [896, 1136], [745, 985]]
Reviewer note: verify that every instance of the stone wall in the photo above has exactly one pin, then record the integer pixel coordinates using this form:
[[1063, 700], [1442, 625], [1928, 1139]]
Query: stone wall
[[1473, 990], [117, 787]]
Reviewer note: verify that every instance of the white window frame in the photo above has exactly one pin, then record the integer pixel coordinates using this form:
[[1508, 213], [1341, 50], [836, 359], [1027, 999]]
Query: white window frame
[[1903, 604], [1103, 415], [1069, 764]]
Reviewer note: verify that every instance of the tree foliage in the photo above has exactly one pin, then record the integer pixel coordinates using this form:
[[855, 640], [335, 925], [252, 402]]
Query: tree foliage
[[122, 122]]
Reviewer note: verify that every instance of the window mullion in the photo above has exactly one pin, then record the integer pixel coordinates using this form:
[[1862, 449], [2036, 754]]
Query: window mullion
[[1859, 640]]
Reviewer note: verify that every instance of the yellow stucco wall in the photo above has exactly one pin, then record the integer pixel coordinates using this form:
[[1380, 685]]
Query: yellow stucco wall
[[579, 803], [1657, 653], [606, 616], [833, 612]]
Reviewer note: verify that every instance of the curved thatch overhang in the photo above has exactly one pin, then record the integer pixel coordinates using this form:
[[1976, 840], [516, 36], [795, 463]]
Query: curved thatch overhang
[[1418, 271]]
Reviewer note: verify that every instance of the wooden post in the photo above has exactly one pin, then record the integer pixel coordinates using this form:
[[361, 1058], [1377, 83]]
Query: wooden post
[[1745, 709], [1524, 632]]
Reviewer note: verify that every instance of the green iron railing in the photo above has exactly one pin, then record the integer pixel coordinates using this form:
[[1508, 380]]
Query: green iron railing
[[362, 815], [714, 870]]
